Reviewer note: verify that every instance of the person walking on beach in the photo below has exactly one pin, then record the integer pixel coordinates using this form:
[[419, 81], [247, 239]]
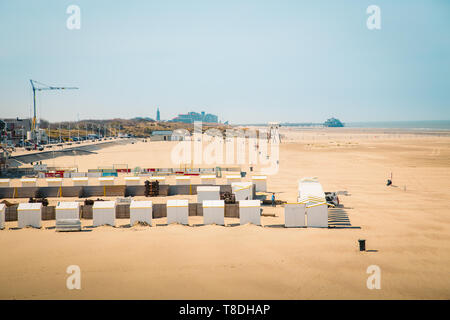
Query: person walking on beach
[[273, 199]]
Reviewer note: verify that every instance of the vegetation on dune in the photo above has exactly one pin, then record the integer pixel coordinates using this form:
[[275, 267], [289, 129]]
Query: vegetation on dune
[[138, 127]]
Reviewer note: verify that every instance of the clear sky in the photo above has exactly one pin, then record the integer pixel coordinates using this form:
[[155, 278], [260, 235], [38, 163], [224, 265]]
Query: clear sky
[[246, 61]]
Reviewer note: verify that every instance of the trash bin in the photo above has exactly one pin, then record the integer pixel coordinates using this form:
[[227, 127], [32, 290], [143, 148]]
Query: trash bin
[[243, 173], [362, 245]]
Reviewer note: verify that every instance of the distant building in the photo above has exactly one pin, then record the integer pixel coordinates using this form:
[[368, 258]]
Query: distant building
[[190, 117], [158, 115], [161, 135], [180, 135], [16, 129]]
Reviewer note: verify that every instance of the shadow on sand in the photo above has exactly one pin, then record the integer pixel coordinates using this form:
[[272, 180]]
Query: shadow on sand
[[338, 219]]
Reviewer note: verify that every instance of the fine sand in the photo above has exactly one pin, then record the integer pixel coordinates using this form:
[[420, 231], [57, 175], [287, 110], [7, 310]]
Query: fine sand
[[406, 227]]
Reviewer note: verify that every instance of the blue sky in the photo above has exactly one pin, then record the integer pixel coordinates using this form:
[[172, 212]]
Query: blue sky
[[247, 61]]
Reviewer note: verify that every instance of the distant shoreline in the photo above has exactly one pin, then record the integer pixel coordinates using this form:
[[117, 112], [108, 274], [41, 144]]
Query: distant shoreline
[[417, 125], [410, 125]]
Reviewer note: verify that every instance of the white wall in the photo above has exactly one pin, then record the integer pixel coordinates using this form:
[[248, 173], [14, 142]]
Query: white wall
[[208, 193], [250, 212], [177, 211], [2, 215], [214, 212], [67, 213], [141, 211], [103, 214], [317, 215], [294, 214], [29, 218]]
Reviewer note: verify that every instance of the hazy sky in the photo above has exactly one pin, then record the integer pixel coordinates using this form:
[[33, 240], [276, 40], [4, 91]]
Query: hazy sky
[[246, 61]]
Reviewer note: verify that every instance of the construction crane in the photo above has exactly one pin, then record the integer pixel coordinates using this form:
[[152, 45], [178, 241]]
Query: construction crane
[[38, 86]]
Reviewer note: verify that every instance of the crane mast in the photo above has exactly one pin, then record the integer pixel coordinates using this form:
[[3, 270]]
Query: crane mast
[[38, 86]]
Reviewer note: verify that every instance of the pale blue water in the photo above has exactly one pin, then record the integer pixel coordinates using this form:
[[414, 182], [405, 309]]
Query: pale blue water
[[427, 125]]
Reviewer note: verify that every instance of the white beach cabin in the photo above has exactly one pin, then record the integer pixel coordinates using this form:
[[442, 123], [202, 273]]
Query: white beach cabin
[[67, 210], [68, 216], [94, 174], [132, 181], [141, 211], [250, 212], [208, 193], [104, 213], [311, 193], [183, 180], [29, 214], [2, 215], [214, 212], [208, 179], [106, 181], [294, 214], [233, 178], [160, 179], [310, 189], [242, 190], [28, 182], [54, 182], [260, 183], [77, 174], [317, 215], [80, 181], [5, 183], [177, 211]]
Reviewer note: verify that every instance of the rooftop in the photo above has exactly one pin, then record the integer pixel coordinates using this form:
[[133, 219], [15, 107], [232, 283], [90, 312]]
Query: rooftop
[[161, 132]]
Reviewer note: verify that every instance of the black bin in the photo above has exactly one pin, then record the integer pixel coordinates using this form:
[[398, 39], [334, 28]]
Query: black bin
[[362, 245]]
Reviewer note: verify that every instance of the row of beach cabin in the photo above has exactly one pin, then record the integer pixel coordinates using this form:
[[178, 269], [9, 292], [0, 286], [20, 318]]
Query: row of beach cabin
[[104, 213], [311, 208], [260, 182], [241, 190]]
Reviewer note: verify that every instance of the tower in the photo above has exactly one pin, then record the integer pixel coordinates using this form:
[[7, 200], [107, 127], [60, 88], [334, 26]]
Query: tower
[[158, 116]]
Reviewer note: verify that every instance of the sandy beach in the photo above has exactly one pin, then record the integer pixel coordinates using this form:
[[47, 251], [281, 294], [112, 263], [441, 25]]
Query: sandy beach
[[406, 227]]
